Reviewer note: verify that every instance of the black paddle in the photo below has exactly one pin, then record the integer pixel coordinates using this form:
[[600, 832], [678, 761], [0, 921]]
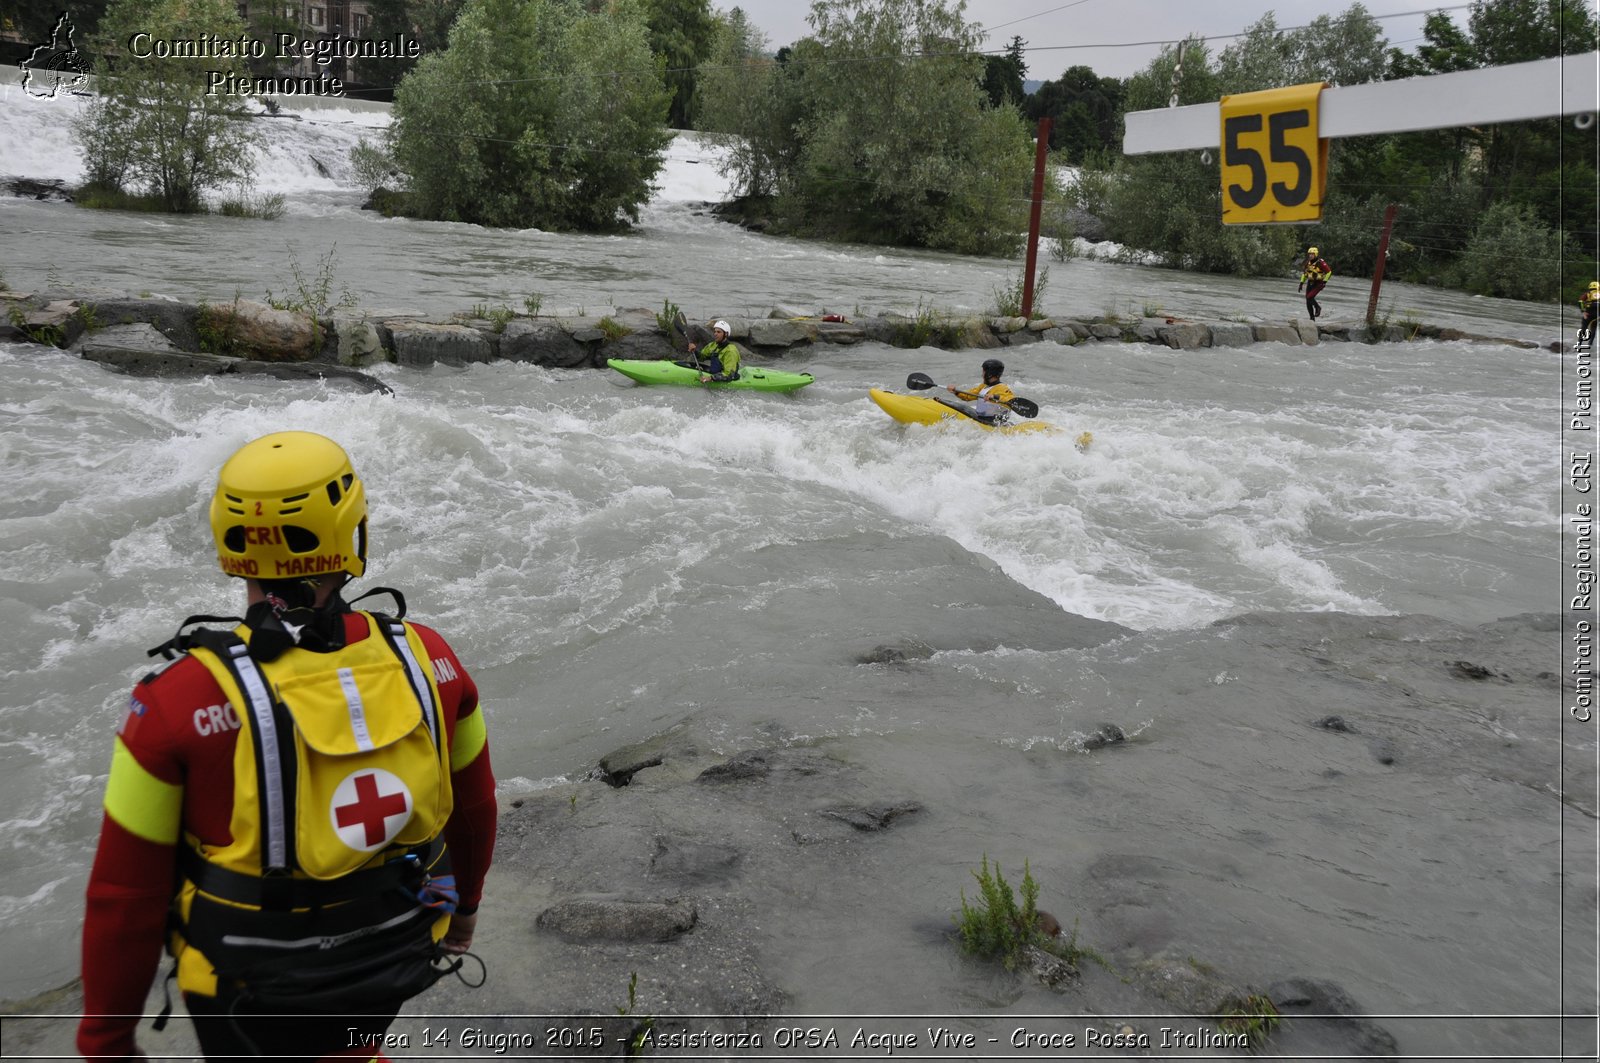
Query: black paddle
[[1021, 407], [681, 324]]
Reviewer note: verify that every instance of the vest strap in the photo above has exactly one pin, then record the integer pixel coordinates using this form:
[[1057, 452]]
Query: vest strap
[[280, 894]]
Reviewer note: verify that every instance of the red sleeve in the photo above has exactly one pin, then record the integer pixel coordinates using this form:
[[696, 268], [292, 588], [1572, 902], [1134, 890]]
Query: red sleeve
[[470, 832], [130, 889]]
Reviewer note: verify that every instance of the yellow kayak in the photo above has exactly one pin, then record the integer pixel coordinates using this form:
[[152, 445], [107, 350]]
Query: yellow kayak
[[915, 409]]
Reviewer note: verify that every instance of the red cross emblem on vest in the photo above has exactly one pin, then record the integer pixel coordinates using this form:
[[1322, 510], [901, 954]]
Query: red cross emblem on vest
[[369, 808]]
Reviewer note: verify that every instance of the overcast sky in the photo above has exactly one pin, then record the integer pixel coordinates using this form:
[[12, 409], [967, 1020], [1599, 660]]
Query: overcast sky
[[1063, 33]]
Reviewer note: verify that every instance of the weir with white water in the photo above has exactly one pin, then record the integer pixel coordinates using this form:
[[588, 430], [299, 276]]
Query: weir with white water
[[612, 560]]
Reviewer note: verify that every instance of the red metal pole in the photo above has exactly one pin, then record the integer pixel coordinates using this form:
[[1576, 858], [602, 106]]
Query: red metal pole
[[1377, 270], [1039, 154]]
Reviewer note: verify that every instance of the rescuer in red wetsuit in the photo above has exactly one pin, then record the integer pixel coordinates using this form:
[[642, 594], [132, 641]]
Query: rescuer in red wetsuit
[[369, 726], [1313, 278]]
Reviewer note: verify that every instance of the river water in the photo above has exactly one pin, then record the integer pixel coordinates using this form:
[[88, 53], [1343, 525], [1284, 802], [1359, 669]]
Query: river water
[[611, 560]]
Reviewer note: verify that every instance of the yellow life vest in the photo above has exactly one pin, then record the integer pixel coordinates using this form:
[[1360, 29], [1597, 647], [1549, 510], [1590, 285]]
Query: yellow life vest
[[341, 789]]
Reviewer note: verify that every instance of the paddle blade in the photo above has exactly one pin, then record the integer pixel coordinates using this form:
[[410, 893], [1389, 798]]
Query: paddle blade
[[920, 382], [1024, 408]]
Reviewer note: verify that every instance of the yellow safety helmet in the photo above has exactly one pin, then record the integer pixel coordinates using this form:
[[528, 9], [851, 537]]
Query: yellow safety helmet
[[287, 505], [1311, 252], [1593, 285]]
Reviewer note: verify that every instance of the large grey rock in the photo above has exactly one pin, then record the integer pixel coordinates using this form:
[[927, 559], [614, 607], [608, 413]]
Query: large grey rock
[[1232, 334], [1082, 223], [840, 332], [136, 361], [881, 329], [542, 342], [1185, 337], [1060, 335], [420, 343], [57, 323], [975, 334], [1149, 330], [1322, 1017], [357, 341], [256, 330], [174, 320], [168, 363], [1101, 331], [691, 862], [1021, 338], [771, 333], [139, 336], [1276, 334], [1308, 332], [1193, 988], [644, 346], [618, 919]]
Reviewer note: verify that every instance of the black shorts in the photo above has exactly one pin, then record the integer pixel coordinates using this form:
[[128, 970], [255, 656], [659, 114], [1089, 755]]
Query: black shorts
[[229, 1029]]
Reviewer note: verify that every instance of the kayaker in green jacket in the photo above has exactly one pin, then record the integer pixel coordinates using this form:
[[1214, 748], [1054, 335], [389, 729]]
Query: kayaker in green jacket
[[720, 356]]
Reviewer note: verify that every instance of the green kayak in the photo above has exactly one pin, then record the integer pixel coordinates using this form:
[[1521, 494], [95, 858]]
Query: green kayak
[[752, 378]]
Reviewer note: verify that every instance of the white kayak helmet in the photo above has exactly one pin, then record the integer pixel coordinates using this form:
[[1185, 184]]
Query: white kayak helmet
[[721, 326]]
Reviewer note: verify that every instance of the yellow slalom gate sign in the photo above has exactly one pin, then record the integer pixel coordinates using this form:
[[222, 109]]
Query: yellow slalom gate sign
[[1274, 164]]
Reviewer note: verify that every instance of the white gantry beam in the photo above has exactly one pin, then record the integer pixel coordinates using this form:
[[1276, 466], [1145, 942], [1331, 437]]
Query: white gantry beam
[[1544, 88]]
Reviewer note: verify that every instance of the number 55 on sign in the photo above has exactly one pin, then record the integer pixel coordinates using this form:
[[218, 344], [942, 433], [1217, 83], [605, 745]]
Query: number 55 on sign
[[1274, 165]]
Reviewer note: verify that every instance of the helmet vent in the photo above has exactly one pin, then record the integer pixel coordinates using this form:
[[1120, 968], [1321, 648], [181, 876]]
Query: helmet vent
[[300, 540], [233, 539], [333, 492], [297, 498]]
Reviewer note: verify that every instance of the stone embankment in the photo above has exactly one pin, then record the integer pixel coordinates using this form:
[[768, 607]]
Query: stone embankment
[[155, 336]]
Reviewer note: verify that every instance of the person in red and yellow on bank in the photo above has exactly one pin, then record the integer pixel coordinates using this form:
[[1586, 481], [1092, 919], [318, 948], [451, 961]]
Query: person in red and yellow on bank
[[301, 809], [1314, 276], [1589, 309]]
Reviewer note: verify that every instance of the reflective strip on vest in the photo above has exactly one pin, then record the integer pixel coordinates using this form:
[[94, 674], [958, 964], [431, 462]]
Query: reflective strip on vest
[[323, 941], [357, 710], [419, 679], [276, 848]]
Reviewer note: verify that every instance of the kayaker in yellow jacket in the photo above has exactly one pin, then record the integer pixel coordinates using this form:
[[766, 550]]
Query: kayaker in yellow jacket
[[988, 398], [720, 358]]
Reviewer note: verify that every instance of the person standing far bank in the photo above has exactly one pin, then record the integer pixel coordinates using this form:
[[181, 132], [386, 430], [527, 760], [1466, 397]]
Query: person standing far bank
[[1313, 278], [1589, 309], [301, 808]]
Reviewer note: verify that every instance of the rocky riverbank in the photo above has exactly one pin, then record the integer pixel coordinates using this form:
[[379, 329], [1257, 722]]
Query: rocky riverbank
[[682, 898], [155, 336]]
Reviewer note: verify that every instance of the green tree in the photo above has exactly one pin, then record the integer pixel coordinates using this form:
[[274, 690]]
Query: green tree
[[1085, 112], [427, 22], [1347, 50], [32, 20], [1004, 74], [681, 33], [154, 129], [539, 113], [878, 129], [1513, 254]]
